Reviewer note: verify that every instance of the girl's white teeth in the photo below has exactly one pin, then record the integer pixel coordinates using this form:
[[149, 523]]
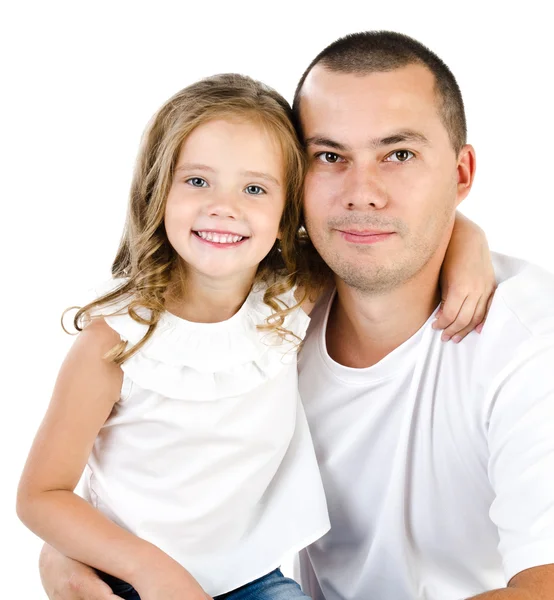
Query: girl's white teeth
[[219, 238]]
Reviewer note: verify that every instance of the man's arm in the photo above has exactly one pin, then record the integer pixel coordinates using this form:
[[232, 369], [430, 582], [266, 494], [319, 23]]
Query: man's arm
[[519, 422], [532, 584], [66, 579]]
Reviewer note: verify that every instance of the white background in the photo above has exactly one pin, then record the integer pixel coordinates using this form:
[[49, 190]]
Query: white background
[[79, 82]]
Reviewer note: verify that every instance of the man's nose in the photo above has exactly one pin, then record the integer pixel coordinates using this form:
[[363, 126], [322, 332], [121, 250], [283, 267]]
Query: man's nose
[[364, 189]]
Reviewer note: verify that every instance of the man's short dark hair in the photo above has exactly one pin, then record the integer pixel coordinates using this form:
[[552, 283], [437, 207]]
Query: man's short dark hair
[[379, 51]]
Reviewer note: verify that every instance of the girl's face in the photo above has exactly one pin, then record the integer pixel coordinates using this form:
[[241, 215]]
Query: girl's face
[[226, 200]]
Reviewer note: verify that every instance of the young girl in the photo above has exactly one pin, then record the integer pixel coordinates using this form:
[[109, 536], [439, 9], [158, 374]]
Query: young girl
[[180, 393]]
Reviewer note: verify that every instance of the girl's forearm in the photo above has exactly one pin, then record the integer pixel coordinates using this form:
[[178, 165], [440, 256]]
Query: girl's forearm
[[466, 228], [76, 529]]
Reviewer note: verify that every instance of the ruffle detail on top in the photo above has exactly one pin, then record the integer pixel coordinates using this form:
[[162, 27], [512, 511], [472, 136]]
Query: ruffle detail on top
[[206, 361]]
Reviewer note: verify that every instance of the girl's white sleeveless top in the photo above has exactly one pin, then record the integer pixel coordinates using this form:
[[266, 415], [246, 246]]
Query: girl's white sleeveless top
[[208, 454]]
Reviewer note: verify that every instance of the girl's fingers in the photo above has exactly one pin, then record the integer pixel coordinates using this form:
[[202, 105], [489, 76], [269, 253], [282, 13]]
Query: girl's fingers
[[469, 316], [459, 315], [463, 319], [478, 318], [479, 327], [449, 310]]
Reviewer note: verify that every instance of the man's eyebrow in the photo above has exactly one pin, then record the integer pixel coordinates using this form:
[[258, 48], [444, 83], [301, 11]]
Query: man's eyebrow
[[406, 135], [328, 142]]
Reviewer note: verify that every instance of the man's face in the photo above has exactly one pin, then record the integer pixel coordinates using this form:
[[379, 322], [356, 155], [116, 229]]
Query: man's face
[[383, 179]]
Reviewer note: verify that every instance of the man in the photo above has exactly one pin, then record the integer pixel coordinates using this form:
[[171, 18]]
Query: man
[[436, 458]]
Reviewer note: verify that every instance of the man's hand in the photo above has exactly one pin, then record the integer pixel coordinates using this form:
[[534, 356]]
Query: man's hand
[[67, 579]]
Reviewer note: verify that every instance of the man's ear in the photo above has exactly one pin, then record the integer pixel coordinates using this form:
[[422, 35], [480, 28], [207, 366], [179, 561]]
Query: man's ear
[[466, 172]]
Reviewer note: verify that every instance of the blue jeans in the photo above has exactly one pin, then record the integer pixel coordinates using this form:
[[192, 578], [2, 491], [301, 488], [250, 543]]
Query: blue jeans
[[273, 586]]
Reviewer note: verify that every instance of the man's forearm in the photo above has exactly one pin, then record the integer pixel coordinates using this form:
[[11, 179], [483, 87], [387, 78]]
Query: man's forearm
[[66, 579], [508, 594]]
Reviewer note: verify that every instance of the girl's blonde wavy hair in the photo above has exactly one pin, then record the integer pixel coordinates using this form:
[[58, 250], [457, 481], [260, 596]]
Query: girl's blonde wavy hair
[[145, 257]]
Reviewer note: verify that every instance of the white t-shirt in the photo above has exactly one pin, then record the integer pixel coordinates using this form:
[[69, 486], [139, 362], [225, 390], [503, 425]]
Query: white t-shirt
[[438, 461], [207, 454]]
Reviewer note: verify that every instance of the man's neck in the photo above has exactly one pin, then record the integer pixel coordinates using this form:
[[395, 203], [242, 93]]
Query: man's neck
[[362, 329]]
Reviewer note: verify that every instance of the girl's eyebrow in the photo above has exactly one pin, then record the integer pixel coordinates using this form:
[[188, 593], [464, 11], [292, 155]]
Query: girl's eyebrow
[[261, 175], [199, 167], [193, 167]]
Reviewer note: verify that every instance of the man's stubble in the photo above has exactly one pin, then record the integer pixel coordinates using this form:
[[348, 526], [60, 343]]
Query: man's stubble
[[371, 271]]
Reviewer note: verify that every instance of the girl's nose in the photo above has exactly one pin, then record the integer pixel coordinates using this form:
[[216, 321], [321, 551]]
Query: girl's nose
[[224, 206]]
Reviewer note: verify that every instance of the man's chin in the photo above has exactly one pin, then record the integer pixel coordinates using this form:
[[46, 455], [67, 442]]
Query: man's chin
[[365, 278]]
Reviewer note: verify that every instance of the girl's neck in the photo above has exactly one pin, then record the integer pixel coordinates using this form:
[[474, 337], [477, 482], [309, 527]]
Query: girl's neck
[[200, 299]]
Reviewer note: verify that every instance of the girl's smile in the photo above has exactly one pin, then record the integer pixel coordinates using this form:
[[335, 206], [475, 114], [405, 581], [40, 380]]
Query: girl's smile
[[220, 239]]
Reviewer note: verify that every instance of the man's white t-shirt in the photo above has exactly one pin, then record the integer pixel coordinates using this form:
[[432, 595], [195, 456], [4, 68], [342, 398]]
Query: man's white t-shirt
[[438, 461]]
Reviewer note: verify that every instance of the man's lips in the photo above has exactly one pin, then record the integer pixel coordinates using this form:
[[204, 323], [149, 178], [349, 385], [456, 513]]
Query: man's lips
[[365, 236]]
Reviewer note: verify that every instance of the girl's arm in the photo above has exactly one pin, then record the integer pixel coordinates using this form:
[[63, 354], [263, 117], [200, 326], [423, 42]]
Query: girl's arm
[[467, 281], [86, 390]]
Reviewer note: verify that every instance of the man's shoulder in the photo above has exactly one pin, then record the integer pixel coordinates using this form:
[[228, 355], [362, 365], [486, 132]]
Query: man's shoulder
[[520, 320], [524, 299]]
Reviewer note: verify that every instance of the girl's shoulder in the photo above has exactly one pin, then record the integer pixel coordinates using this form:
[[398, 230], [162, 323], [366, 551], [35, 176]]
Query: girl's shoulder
[[114, 313]]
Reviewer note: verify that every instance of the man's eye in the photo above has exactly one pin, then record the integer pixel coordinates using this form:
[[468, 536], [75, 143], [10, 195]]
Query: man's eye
[[328, 157], [400, 156], [197, 182], [254, 190]]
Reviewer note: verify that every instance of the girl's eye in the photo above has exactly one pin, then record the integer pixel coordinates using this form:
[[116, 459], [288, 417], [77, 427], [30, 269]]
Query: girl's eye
[[328, 157], [254, 190], [197, 182], [400, 156]]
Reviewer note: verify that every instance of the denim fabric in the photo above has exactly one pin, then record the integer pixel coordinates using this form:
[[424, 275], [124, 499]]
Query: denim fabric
[[119, 587], [274, 586]]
